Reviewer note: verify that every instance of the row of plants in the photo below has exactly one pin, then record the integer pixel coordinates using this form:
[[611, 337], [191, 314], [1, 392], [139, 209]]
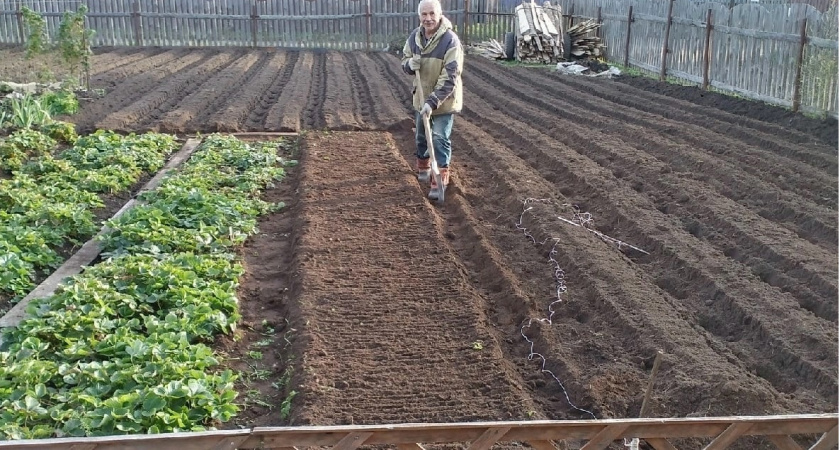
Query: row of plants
[[72, 42], [123, 347], [49, 200], [27, 111]]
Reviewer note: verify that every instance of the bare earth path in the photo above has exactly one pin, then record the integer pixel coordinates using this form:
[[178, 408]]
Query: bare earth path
[[407, 311]]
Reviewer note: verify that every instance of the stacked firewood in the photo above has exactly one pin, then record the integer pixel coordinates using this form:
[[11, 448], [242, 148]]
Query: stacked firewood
[[584, 47], [491, 49], [540, 34]]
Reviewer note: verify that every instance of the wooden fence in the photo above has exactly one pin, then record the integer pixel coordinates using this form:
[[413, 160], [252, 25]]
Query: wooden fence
[[773, 51], [817, 432], [779, 53], [334, 24]]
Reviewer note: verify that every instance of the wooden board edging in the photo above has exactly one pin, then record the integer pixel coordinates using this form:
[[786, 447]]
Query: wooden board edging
[[93, 247]]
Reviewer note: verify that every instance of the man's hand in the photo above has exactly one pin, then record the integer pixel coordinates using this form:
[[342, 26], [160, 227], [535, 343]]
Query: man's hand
[[414, 63], [427, 110]]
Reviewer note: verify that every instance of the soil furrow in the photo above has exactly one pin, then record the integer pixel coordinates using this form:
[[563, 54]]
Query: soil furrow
[[417, 324], [681, 139], [312, 116], [107, 68], [242, 95], [706, 171], [286, 113], [705, 284], [128, 91], [174, 88], [362, 98], [775, 253], [398, 82], [387, 108], [172, 113], [603, 317], [739, 111], [782, 141], [257, 117], [340, 108], [188, 113]]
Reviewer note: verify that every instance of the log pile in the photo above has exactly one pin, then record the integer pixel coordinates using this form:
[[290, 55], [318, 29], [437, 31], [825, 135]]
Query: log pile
[[491, 49], [539, 33], [583, 46]]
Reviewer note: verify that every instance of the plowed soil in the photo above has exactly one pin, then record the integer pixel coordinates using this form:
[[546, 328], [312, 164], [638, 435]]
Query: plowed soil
[[589, 224]]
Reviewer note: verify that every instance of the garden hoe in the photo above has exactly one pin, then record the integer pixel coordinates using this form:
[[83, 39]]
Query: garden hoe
[[431, 148]]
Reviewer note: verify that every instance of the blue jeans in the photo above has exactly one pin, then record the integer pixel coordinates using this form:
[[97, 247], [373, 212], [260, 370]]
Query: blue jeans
[[441, 126]]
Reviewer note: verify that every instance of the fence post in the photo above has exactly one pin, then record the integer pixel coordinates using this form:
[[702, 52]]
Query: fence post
[[254, 24], [135, 23], [800, 57], [571, 15], [369, 24], [466, 22], [598, 30], [627, 41], [707, 50], [19, 16], [670, 20]]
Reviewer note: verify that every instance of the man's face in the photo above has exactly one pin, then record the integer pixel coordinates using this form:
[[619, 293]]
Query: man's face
[[429, 18]]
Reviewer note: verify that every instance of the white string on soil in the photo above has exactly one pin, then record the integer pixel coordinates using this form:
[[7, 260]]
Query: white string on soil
[[560, 289], [579, 219]]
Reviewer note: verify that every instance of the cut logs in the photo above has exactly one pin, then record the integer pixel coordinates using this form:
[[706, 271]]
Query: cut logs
[[539, 37], [585, 44], [489, 49], [539, 33]]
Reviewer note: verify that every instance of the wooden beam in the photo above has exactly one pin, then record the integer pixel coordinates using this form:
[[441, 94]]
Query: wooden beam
[[605, 437], [730, 435], [657, 361], [800, 57], [784, 442], [488, 438], [827, 441], [231, 443], [660, 444], [353, 440], [707, 50], [665, 49], [627, 40]]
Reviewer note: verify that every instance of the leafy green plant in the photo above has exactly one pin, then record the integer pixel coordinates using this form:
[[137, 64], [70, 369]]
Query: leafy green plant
[[36, 42], [25, 143], [61, 131], [58, 103], [27, 112], [74, 43]]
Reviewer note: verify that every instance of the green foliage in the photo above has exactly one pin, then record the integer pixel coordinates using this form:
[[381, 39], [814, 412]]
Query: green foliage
[[121, 348], [48, 202], [21, 145], [61, 131], [26, 111], [60, 103], [36, 42], [74, 42]]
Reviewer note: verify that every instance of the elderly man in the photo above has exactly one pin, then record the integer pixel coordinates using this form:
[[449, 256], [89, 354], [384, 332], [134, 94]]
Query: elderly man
[[434, 51]]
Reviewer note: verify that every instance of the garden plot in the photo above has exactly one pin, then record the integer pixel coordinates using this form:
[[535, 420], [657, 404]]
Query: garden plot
[[387, 309]]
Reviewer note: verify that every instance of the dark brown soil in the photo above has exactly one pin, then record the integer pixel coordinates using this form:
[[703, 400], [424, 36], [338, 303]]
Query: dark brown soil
[[710, 233]]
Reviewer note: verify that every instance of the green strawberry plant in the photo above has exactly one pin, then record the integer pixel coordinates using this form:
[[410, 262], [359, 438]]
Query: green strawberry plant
[[50, 199], [122, 348]]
